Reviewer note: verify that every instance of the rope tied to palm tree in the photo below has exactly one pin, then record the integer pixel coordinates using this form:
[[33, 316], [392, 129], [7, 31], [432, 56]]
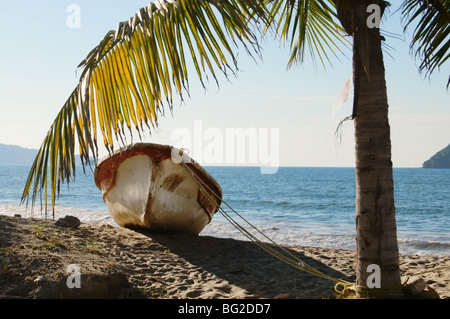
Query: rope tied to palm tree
[[275, 249]]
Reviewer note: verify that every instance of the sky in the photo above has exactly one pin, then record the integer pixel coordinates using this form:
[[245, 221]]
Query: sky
[[287, 114]]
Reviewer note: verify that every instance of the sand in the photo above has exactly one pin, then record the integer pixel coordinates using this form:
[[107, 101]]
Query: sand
[[40, 260]]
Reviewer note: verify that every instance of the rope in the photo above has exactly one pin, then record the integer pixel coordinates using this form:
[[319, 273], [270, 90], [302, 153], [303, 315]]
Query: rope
[[282, 254], [427, 271]]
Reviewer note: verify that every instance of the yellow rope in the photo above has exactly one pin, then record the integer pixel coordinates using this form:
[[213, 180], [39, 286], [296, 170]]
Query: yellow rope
[[427, 271]]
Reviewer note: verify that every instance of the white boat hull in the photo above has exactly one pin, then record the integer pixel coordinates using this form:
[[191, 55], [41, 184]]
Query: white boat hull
[[143, 186]]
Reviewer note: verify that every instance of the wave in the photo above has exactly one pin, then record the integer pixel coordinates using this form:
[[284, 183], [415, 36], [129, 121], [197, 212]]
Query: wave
[[410, 246], [88, 216]]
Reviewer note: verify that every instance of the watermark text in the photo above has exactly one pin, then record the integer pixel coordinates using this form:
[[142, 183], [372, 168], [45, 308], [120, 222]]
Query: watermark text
[[374, 19], [374, 279], [74, 19], [74, 279], [239, 146]]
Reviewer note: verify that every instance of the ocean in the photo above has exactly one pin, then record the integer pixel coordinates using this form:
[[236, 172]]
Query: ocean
[[307, 206]]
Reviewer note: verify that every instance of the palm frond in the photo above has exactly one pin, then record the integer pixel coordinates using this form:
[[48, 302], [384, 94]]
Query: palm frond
[[431, 36], [133, 75], [307, 24]]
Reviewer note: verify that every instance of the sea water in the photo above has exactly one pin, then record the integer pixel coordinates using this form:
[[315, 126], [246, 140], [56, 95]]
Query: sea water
[[308, 206]]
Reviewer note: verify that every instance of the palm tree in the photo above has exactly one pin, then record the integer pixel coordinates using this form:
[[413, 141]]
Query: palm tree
[[130, 78], [376, 234]]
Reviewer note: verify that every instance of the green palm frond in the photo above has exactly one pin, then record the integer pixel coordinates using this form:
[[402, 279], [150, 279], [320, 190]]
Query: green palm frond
[[431, 37], [307, 24], [134, 74]]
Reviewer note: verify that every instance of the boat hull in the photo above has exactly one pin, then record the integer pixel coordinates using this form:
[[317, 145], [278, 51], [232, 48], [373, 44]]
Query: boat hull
[[143, 186]]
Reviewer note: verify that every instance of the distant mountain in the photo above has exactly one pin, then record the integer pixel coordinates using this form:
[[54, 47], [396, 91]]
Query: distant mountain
[[439, 160], [16, 155]]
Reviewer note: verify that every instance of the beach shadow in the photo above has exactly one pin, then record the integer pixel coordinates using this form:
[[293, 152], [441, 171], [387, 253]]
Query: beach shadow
[[245, 264]]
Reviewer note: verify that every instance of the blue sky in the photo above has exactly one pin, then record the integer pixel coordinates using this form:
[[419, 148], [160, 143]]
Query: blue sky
[[40, 54]]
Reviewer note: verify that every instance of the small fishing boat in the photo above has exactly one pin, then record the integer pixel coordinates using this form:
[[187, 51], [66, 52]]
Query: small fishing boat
[[157, 187]]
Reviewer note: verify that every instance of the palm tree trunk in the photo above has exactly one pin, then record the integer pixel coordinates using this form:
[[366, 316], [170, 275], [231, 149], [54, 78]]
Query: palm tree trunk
[[376, 232]]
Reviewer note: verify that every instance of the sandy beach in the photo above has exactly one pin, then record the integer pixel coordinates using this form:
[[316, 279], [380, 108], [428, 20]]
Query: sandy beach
[[40, 260]]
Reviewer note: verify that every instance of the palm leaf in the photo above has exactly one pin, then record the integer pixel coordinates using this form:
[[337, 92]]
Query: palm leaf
[[431, 36], [307, 24], [132, 76]]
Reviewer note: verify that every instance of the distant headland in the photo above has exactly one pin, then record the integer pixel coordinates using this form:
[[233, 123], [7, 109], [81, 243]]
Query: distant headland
[[439, 160], [16, 155]]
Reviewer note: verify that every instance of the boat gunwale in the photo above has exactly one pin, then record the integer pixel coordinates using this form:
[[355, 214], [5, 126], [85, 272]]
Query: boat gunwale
[[157, 153]]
